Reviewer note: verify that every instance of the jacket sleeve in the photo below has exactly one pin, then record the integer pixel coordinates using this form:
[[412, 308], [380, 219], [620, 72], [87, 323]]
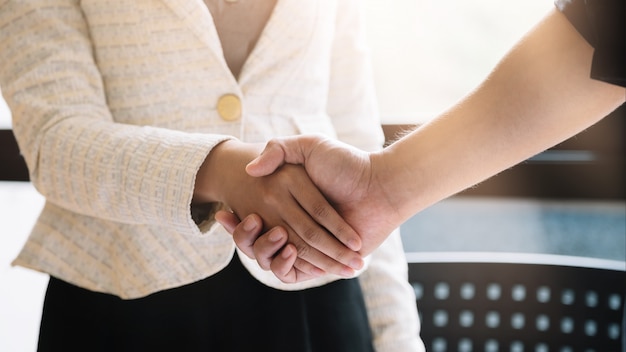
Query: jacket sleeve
[[78, 157], [389, 298]]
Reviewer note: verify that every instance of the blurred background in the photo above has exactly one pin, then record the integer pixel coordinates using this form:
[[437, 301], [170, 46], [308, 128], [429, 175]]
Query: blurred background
[[427, 54]]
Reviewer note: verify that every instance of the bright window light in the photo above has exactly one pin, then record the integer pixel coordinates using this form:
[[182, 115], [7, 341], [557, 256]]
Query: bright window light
[[427, 54]]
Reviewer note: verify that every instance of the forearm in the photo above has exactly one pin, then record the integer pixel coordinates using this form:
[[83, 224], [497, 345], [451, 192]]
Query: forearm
[[218, 176], [539, 95]]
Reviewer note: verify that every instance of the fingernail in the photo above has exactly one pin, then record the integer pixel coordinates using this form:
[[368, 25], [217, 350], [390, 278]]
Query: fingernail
[[347, 272], [354, 244], [356, 264], [286, 252], [249, 224], [275, 236]]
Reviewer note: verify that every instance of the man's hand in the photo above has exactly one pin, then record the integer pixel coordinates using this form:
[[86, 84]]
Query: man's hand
[[350, 178], [345, 175]]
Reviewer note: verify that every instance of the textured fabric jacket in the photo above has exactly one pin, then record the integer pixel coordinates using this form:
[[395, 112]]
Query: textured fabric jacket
[[114, 109]]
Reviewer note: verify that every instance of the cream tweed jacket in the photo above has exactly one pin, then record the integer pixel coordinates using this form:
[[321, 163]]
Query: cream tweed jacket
[[114, 109]]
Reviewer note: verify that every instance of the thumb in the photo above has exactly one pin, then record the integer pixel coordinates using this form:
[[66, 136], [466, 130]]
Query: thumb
[[244, 233], [270, 159], [227, 219], [292, 150]]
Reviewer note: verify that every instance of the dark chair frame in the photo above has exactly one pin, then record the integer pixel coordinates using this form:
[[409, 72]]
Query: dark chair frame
[[519, 302]]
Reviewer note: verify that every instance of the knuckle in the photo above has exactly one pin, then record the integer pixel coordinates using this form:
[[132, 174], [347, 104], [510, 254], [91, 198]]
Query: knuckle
[[320, 210], [313, 234], [288, 279], [340, 255], [342, 230], [287, 276], [263, 264], [269, 196], [273, 143], [303, 250]]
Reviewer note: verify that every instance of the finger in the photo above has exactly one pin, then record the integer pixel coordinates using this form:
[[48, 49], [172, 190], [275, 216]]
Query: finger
[[290, 269], [282, 264], [310, 258], [303, 231], [227, 219], [304, 269], [315, 217], [278, 151], [268, 161], [319, 247], [246, 233], [327, 216], [268, 246]]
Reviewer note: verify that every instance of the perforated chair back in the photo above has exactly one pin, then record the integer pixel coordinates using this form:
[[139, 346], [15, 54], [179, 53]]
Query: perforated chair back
[[516, 302]]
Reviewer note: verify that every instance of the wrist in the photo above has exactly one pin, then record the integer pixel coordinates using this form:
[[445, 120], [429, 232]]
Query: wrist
[[222, 168], [383, 184], [396, 181]]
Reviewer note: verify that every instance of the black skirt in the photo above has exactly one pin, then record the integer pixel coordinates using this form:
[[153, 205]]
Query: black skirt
[[230, 311]]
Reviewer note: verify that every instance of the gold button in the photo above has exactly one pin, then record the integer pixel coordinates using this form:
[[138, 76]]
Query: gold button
[[229, 107]]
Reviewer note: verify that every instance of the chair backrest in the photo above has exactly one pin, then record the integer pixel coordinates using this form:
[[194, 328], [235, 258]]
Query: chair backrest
[[517, 302]]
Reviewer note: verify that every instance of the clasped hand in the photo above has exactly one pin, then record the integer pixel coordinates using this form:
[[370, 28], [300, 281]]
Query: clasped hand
[[350, 179]]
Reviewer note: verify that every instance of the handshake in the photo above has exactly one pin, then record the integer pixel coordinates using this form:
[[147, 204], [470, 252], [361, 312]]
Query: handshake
[[352, 218], [341, 203]]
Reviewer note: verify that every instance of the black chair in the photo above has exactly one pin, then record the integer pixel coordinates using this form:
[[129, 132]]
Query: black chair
[[519, 302]]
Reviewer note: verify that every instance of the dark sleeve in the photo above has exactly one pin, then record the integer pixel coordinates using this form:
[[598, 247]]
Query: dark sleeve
[[603, 24]]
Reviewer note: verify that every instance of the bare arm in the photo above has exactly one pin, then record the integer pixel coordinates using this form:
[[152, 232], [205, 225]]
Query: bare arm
[[538, 95]]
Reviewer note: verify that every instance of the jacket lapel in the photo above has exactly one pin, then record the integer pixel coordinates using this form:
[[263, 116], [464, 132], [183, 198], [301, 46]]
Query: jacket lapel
[[197, 17], [289, 27]]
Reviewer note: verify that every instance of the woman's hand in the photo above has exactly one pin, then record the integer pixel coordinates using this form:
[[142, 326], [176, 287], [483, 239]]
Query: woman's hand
[[287, 198]]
